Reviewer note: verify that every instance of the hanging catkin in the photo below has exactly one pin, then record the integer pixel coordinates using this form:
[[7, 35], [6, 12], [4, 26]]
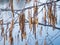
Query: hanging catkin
[[36, 14], [49, 13], [22, 21], [22, 24], [11, 25], [11, 5], [53, 21], [55, 12], [10, 38], [35, 9], [30, 19], [34, 28], [35, 19], [44, 14]]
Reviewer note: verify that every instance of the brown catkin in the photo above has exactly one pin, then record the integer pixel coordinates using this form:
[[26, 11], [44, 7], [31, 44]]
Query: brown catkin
[[10, 38], [30, 19], [49, 13], [44, 14], [11, 5], [22, 24], [11, 25], [35, 14]]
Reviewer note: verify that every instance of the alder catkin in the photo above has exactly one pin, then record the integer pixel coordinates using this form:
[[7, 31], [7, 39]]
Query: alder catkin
[[30, 19], [11, 5]]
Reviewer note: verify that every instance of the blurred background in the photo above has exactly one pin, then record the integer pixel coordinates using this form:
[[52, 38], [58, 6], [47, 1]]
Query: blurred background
[[45, 36]]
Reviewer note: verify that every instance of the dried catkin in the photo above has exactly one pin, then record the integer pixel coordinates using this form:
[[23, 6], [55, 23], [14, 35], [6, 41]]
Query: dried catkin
[[11, 25], [53, 21], [35, 14], [30, 19], [44, 14], [35, 9], [21, 21], [50, 13], [34, 28], [35, 19], [10, 38], [30, 23], [22, 24], [11, 5]]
